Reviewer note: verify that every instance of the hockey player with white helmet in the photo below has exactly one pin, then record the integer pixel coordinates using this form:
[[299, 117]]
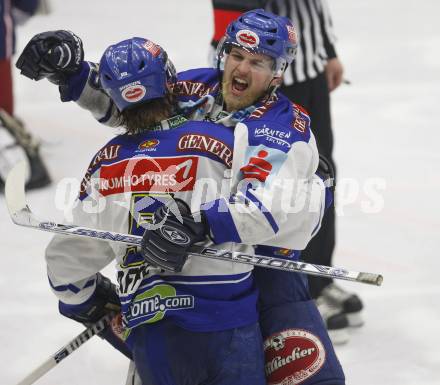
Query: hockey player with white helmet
[[272, 144]]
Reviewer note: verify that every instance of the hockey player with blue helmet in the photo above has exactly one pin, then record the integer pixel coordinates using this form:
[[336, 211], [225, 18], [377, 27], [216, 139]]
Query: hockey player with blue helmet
[[261, 32], [139, 76], [272, 141], [264, 41], [184, 321]]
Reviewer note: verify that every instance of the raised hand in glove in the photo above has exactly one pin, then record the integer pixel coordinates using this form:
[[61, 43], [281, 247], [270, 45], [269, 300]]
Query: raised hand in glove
[[104, 300], [53, 55], [166, 244]]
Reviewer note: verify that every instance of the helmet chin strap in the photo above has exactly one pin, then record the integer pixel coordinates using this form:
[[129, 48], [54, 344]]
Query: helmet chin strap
[[272, 88]]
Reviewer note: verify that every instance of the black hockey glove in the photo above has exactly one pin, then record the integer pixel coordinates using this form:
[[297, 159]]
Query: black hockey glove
[[166, 245], [103, 301], [326, 172], [53, 55]]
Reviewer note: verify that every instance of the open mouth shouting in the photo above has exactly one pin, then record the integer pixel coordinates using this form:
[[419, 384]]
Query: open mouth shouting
[[238, 86]]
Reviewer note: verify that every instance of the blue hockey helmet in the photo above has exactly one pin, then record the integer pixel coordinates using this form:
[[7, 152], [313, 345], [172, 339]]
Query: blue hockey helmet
[[262, 32], [134, 71]]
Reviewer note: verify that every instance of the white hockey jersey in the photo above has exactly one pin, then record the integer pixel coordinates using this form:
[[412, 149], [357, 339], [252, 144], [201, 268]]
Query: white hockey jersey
[[255, 182]]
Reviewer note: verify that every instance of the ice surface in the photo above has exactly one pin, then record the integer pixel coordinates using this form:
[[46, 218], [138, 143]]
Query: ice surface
[[386, 126]]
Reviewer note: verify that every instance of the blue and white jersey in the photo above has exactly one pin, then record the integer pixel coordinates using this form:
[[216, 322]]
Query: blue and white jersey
[[127, 180], [276, 148], [253, 176]]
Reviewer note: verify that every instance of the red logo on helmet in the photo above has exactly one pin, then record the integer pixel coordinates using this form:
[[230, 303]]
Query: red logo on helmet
[[154, 49], [292, 356], [292, 34], [248, 38], [134, 93], [257, 168], [149, 143]]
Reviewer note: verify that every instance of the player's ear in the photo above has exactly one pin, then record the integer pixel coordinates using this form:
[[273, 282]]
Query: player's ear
[[275, 82]]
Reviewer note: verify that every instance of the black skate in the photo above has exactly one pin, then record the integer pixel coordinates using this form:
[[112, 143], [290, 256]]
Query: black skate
[[350, 303], [335, 321]]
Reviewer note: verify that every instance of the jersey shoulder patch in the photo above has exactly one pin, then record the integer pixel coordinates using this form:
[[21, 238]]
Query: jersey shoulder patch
[[279, 133], [301, 120], [271, 134]]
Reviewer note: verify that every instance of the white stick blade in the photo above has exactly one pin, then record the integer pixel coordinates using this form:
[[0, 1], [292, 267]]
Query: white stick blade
[[14, 189]]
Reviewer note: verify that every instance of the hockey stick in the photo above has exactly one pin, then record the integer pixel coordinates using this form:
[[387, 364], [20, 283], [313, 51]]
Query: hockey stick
[[66, 350], [22, 215]]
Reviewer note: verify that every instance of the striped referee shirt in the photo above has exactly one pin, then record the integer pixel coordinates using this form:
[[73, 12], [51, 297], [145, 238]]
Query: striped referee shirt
[[312, 22]]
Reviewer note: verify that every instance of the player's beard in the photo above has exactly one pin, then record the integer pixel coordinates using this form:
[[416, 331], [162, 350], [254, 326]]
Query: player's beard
[[234, 103]]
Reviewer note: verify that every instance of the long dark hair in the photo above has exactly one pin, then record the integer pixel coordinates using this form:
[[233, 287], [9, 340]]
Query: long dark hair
[[145, 115]]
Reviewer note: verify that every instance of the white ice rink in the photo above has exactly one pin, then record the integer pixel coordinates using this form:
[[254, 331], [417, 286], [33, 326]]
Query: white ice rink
[[386, 125]]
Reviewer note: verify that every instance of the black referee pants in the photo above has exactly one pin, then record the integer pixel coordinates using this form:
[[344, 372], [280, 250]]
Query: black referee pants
[[314, 96]]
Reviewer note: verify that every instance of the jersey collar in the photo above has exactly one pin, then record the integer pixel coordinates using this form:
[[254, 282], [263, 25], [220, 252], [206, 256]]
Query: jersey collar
[[169, 124]]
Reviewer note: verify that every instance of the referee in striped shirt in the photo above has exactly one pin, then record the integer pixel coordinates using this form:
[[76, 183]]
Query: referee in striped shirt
[[315, 72]]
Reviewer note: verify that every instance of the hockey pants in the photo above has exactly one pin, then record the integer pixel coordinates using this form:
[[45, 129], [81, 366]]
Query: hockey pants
[[296, 343], [166, 354]]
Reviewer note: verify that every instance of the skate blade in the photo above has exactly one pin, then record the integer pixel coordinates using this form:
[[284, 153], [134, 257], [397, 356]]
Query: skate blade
[[339, 336], [355, 320]]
